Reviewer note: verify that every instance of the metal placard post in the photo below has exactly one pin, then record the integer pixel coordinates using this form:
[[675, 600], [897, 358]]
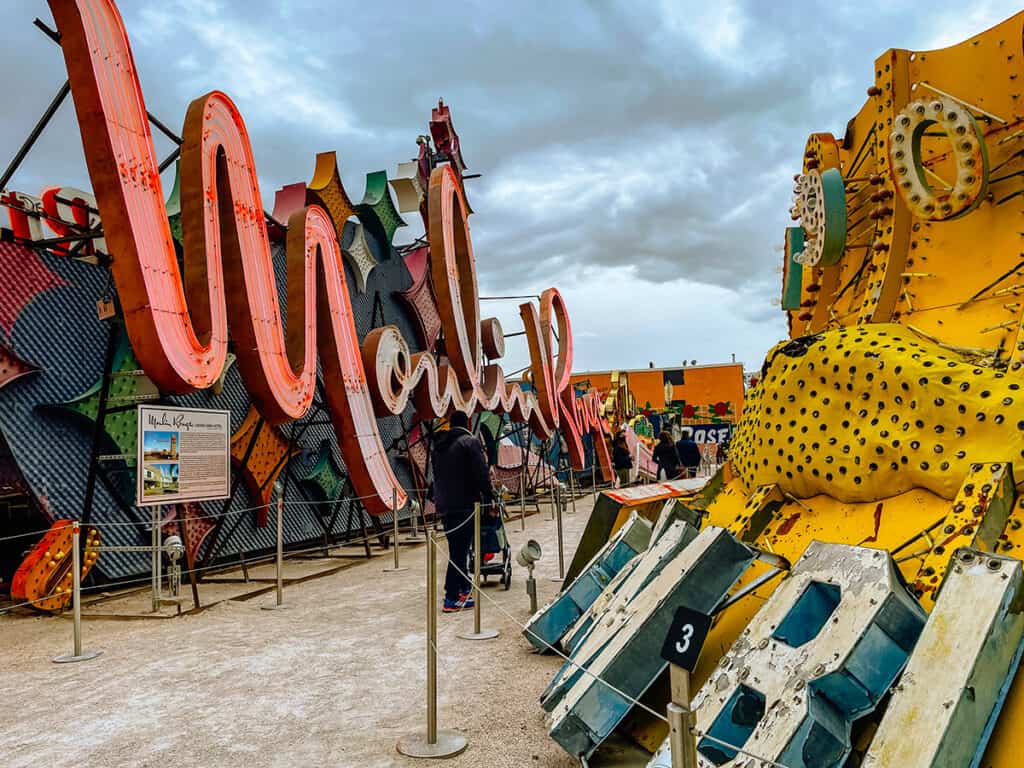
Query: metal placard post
[[157, 563], [681, 650], [680, 720]]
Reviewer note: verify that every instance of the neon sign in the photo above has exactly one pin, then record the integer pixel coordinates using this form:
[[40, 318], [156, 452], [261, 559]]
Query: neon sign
[[178, 320]]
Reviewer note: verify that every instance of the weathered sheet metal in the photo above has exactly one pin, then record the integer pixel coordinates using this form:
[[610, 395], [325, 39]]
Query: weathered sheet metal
[[628, 659], [673, 531], [947, 701], [819, 654], [546, 627]]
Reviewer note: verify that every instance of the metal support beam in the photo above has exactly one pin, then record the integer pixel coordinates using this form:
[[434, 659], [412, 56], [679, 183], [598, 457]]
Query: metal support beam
[[34, 134], [97, 431]]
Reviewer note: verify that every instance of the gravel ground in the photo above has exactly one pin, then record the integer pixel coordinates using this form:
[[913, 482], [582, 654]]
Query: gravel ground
[[333, 681]]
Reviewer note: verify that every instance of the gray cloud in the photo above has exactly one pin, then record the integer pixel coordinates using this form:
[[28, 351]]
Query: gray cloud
[[639, 155]]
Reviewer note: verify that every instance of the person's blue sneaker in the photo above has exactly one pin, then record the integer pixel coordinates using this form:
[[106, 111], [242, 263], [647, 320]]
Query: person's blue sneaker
[[454, 606]]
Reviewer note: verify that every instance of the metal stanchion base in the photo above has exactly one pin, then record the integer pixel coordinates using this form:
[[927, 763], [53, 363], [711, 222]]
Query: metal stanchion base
[[84, 656], [448, 744], [392, 569], [275, 607], [556, 578], [483, 634]]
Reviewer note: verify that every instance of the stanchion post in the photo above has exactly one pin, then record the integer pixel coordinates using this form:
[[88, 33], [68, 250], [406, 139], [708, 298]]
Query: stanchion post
[[522, 500], [478, 633], [558, 530], [394, 513], [432, 642], [552, 476], [434, 743], [76, 601], [279, 560], [572, 488], [280, 552]]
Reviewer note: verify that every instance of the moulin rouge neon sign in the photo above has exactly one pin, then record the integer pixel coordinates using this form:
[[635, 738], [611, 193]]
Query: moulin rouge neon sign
[[178, 320]]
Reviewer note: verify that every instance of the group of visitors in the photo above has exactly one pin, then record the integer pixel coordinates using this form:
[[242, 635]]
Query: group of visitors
[[675, 458]]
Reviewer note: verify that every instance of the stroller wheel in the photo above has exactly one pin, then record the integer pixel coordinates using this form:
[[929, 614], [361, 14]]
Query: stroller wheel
[[506, 577]]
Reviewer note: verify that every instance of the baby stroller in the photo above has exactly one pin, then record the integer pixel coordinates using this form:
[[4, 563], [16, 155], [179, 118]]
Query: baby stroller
[[497, 555]]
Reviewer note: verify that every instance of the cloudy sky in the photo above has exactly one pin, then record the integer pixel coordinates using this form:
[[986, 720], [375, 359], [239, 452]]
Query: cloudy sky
[[637, 155]]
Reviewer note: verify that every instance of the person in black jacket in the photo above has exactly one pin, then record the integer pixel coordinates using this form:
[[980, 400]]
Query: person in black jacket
[[665, 457], [461, 479], [622, 460], [689, 453]]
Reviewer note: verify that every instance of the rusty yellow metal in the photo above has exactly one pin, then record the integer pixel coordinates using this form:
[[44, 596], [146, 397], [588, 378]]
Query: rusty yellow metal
[[977, 518], [897, 425], [885, 241], [756, 512], [893, 417]]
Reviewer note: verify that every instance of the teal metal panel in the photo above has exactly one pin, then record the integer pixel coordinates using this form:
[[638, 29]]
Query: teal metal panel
[[546, 628], [624, 653], [793, 280]]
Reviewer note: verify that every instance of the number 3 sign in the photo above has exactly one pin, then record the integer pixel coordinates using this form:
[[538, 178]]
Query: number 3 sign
[[685, 638]]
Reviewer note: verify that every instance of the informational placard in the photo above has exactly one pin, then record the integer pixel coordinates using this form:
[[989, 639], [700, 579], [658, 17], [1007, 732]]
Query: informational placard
[[184, 454], [685, 638]]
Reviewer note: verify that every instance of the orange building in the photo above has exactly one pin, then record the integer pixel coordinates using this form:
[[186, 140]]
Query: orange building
[[701, 392]]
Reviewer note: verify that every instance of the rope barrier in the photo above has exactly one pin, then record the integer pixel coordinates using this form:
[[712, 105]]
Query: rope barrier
[[9, 608], [739, 750], [599, 679], [451, 661], [582, 669], [114, 585], [14, 536], [210, 516], [217, 515]]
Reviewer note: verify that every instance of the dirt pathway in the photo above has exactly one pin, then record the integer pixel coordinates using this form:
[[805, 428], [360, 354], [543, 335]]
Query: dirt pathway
[[333, 681]]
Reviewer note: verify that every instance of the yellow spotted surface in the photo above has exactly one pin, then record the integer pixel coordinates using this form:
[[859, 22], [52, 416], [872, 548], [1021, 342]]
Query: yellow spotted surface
[[870, 412]]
